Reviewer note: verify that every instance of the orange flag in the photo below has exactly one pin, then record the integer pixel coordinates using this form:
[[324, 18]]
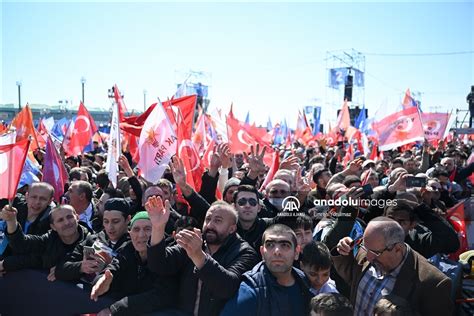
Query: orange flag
[[23, 122]]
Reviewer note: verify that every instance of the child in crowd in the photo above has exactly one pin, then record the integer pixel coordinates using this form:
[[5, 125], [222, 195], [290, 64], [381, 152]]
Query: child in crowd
[[316, 264]]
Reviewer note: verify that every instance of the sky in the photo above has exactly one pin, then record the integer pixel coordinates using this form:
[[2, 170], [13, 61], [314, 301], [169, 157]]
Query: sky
[[268, 58]]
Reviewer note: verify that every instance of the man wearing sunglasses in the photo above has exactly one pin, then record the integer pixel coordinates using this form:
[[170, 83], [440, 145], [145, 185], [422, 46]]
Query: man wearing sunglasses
[[384, 265], [249, 226]]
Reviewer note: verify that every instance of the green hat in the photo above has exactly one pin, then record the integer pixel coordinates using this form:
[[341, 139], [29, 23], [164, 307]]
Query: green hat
[[139, 215]]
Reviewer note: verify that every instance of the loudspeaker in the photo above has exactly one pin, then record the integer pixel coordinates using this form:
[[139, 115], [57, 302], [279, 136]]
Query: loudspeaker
[[348, 88]]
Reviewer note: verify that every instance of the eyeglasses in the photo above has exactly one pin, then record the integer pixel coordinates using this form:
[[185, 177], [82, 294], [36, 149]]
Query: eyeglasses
[[243, 201], [377, 253], [282, 244]]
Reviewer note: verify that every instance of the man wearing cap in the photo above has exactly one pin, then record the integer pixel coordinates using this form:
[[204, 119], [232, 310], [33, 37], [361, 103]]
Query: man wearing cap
[[79, 265], [129, 279], [209, 265]]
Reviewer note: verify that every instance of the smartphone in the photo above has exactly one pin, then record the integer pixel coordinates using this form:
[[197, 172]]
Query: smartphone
[[368, 191], [88, 252], [415, 182]]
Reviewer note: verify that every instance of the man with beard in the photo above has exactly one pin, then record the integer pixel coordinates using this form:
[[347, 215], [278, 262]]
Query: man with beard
[[209, 265], [385, 264], [273, 287]]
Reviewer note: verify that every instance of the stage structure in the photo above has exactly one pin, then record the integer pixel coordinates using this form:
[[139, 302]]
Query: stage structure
[[346, 80], [194, 82]]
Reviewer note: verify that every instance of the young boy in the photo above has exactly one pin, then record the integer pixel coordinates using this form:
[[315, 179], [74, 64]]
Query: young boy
[[316, 264]]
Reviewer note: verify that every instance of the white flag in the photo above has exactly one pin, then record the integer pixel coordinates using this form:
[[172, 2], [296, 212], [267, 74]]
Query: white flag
[[157, 144], [114, 150]]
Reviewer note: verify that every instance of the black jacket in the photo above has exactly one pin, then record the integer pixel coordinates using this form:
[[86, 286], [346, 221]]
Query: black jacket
[[40, 225], [69, 268], [139, 289], [254, 235], [220, 275], [38, 252], [435, 235]]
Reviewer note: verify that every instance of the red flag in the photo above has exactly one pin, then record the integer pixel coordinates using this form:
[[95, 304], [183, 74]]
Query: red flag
[[188, 154], [349, 155], [373, 153], [134, 124], [273, 169], [456, 216], [54, 171], [435, 124], [12, 159], [399, 128], [80, 132], [121, 105], [23, 122], [242, 136], [408, 101]]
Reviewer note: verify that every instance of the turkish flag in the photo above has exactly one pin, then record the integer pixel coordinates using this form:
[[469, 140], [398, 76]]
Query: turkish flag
[[189, 155], [23, 123], [12, 159], [54, 171], [80, 132], [399, 128], [242, 136], [134, 124], [122, 109]]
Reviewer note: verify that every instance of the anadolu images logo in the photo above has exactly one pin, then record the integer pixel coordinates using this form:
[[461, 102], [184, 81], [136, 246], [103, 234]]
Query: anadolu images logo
[[290, 204]]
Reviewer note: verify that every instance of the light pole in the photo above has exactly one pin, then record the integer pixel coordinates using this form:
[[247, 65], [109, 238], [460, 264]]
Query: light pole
[[83, 81], [18, 83], [144, 99]]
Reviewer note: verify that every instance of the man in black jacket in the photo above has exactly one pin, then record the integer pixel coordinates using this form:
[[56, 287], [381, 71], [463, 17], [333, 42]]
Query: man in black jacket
[[43, 251], [210, 271], [250, 227], [77, 266], [129, 279], [33, 212]]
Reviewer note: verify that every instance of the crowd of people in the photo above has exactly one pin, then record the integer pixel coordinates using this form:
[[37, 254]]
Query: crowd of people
[[235, 247]]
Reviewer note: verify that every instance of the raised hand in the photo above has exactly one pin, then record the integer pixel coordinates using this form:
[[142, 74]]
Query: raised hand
[[215, 162], [102, 286], [355, 167], [178, 171], [400, 183], [255, 161], [302, 184], [290, 163], [158, 212], [226, 156], [123, 162]]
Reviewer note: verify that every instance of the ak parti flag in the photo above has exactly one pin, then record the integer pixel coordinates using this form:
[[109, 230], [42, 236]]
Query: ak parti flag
[[157, 144], [80, 132], [114, 148], [134, 124], [23, 122], [54, 171], [12, 159], [399, 128]]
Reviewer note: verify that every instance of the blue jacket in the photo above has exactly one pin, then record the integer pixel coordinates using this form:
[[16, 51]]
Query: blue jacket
[[260, 294]]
